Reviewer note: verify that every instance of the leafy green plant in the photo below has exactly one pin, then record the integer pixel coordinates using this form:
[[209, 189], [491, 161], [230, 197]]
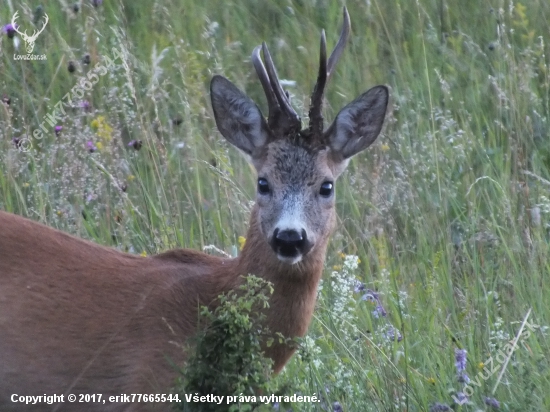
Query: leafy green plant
[[227, 359]]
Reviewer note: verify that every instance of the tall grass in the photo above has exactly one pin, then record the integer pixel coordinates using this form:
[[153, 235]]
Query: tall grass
[[449, 213]]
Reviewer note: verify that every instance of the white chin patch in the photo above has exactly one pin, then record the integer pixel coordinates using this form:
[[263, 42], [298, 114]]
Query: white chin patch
[[291, 260]]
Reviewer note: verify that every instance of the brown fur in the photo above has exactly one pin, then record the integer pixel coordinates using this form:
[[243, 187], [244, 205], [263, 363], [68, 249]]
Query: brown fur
[[76, 317]]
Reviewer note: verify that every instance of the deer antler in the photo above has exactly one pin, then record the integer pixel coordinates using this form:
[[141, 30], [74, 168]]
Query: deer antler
[[272, 104], [325, 71], [282, 98], [281, 114]]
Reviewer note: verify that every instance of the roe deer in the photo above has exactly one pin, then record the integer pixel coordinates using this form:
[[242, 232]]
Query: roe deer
[[79, 318]]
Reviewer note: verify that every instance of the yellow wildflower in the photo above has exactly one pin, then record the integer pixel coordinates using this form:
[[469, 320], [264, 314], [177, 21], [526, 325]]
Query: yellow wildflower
[[242, 241], [102, 128]]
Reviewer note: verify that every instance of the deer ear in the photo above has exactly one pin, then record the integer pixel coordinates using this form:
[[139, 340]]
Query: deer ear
[[238, 118], [358, 124]]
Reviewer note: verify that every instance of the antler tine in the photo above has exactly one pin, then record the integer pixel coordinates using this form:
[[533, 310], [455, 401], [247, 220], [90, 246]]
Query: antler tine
[[315, 110], [325, 71], [272, 104], [280, 94], [341, 45]]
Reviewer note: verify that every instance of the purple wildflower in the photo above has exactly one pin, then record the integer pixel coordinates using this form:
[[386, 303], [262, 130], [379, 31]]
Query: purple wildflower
[[461, 397], [97, 3], [359, 287], [492, 402], [374, 297], [336, 407], [57, 130], [440, 407], [460, 358], [371, 295], [90, 146], [17, 141], [136, 144], [9, 29], [463, 378], [393, 334], [71, 66], [6, 99], [379, 311], [84, 104]]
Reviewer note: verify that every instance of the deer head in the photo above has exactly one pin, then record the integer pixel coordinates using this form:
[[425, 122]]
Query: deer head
[[29, 40], [296, 167]]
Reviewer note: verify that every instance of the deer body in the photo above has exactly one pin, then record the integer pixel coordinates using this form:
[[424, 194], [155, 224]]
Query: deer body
[[95, 320], [76, 317]]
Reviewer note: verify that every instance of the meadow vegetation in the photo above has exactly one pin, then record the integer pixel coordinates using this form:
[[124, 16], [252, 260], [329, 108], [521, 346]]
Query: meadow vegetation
[[442, 244]]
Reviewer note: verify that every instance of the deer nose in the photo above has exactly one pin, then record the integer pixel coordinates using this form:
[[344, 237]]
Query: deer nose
[[290, 243]]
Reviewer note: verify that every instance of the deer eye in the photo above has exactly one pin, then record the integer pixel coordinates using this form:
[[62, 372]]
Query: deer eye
[[263, 186], [326, 189]]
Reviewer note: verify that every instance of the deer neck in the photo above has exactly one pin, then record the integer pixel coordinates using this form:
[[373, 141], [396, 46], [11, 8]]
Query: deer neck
[[294, 286]]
